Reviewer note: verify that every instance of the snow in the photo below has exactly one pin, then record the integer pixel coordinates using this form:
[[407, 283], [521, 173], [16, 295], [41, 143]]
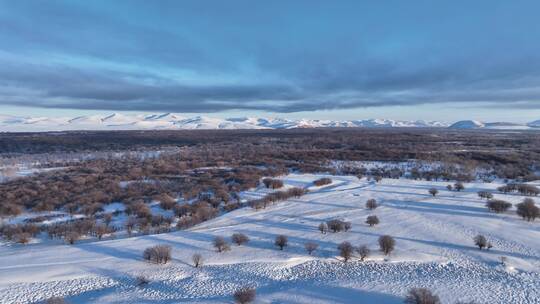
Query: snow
[[434, 249]]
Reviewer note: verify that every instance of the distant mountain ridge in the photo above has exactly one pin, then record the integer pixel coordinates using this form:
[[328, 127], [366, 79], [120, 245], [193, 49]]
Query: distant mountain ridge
[[174, 121]]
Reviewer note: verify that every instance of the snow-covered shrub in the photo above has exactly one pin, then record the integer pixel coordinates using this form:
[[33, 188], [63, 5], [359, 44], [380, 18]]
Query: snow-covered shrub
[[498, 206], [221, 244], [244, 295], [387, 244], [345, 250], [421, 296], [159, 254], [281, 241], [528, 210], [239, 238]]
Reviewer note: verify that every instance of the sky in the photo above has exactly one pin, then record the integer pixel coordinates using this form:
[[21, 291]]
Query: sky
[[409, 59]]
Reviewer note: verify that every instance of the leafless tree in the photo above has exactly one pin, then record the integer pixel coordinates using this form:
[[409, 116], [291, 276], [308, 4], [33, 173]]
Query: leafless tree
[[221, 244], [485, 195], [197, 260], [371, 204], [528, 210], [387, 244], [322, 181], [71, 237], [421, 296], [245, 295], [345, 251], [281, 241], [498, 206], [311, 247], [433, 191], [239, 238], [55, 300], [459, 186], [323, 228], [363, 251], [159, 254], [449, 187], [372, 220], [480, 241]]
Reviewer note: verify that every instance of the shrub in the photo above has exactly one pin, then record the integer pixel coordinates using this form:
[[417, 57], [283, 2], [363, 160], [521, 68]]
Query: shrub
[[272, 183], [221, 244], [433, 191], [322, 181], [55, 300], [449, 187], [421, 296], [245, 295], [480, 241], [71, 237], [528, 210], [372, 220], [371, 204], [23, 237], [197, 260], [345, 250], [323, 228], [459, 186], [485, 194], [159, 254], [166, 202], [363, 251], [310, 247], [498, 206], [387, 244], [338, 225], [239, 238], [141, 281], [281, 241]]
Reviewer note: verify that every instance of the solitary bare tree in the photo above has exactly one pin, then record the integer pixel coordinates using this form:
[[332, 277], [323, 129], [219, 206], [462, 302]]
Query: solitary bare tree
[[372, 220], [221, 244], [323, 228], [421, 296], [371, 204], [245, 295], [197, 260], [281, 241], [387, 244], [345, 251], [310, 247], [433, 191], [363, 251], [239, 238], [480, 241]]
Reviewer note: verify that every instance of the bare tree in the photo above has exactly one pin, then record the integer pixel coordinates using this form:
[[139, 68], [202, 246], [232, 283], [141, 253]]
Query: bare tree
[[322, 181], [387, 244], [371, 204], [345, 251], [55, 300], [372, 220], [363, 251], [310, 247], [485, 194], [480, 241], [239, 238], [459, 186], [449, 187], [281, 241], [498, 206], [221, 244], [323, 228], [433, 191], [421, 296], [159, 254], [528, 210], [197, 260], [71, 237], [245, 295]]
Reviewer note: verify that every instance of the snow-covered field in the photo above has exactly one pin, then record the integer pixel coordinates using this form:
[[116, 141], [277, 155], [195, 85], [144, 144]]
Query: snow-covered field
[[434, 249]]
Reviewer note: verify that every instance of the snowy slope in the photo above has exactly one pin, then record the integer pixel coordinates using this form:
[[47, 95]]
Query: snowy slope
[[434, 249], [118, 121]]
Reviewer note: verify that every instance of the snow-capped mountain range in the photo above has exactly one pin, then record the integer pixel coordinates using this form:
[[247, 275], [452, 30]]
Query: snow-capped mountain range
[[172, 121]]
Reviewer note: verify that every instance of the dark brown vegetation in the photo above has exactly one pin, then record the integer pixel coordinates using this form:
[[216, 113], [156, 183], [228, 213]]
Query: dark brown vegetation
[[272, 183], [371, 204], [311, 247], [281, 241], [363, 251], [338, 225], [523, 189], [239, 238], [421, 296], [387, 244], [480, 241], [433, 192], [528, 210], [372, 220], [345, 251], [159, 254], [244, 295], [322, 181], [498, 206], [221, 244], [197, 260]]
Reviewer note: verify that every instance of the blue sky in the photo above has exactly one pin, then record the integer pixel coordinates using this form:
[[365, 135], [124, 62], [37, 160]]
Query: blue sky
[[444, 60]]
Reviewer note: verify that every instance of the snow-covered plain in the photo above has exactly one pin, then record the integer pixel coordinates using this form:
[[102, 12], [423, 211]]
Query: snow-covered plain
[[434, 249]]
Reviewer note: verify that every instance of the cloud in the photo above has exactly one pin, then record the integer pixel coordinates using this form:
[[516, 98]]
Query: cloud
[[177, 57]]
